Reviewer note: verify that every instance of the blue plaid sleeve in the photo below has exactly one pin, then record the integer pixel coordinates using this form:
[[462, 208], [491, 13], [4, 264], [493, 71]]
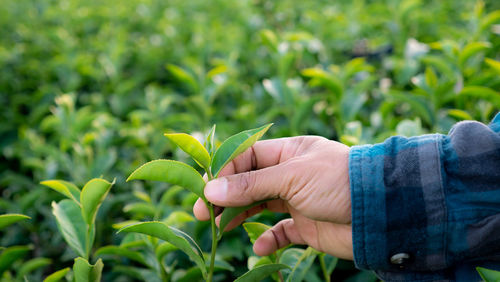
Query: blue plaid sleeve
[[427, 208]]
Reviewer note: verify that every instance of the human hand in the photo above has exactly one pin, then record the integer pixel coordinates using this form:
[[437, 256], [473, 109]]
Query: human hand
[[307, 176]]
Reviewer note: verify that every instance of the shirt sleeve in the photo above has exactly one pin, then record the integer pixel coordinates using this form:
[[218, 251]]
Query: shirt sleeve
[[424, 206]]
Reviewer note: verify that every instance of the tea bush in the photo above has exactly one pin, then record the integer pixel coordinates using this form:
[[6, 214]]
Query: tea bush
[[87, 89]]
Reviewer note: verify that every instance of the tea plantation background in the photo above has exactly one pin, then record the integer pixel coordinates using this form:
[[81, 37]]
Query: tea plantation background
[[87, 89]]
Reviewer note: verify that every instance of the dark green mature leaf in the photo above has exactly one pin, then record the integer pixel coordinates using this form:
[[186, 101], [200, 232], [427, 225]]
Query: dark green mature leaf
[[32, 265], [57, 276], [260, 272], [255, 229], [71, 225], [301, 267], [192, 147], [229, 214], [122, 251], [85, 272], [10, 255], [172, 172], [235, 145], [488, 275], [66, 188], [11, 218], [169, 234], [93, 193]]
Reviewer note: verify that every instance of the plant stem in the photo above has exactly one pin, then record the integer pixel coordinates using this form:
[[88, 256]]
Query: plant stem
[[214, 242], [323, 267]]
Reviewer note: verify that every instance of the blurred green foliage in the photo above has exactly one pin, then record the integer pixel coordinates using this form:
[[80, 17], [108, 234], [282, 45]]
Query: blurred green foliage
[[87, 89]]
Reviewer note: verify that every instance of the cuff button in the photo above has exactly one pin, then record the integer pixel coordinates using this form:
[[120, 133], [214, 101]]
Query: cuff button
[[400, 259]]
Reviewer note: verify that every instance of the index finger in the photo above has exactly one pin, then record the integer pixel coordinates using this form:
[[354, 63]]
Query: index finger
[[262, 154]]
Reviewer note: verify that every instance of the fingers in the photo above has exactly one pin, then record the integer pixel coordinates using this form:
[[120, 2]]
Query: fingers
[[245, 188], [280, 235], [201, 212]]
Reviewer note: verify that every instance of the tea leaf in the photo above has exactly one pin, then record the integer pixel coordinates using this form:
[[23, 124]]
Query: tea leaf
[[235, 145], [163, 249], [472, 49], [229, 214], [482, 92], [260, 272], [32, 265], [85, 272], [57, 276], [10, 255], [183, 76], [302, 265], [255, 229], [192, 147], [171, 235], [11, 218], [210, 142], [93, 193], [66, 188], [71, 224], [121, 251], [172, 172], [489, 275], [495, 65]]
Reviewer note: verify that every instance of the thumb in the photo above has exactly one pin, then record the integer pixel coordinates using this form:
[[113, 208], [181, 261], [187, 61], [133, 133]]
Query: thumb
[[248, 187]]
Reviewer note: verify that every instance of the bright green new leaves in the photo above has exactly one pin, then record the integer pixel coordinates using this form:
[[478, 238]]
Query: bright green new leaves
[[472, 49], [171, 235], [260, 272], [57, 276], [72, 225], [192, 147], [66, 188], [85, 272], [11, 218], [172, 172], [489, 275], [235, 145], [255, 229], [93, 193]]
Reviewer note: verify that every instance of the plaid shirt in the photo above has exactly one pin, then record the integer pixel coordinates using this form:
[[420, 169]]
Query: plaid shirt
[[427, 208]]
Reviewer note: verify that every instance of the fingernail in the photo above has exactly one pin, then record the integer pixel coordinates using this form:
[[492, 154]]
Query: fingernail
[[216, 190]]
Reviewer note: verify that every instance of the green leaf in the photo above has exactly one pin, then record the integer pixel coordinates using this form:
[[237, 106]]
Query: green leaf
[[269, 39], [121, 251], [489, 275], [85, 272], [459, 114], [303, 264], [255, 229], [431, 78], [178, 218], [229, 214], [472, 49], [163, 249], [183, 76], [57, 276], [192, 147], [10, 255], [66, 188], [482, 92], [32, 265], [320, 77], [71, 225], [235, 145], [11, 218], [93, 193], [489, 19], [169, 234], [143, 209], [172, 172], [440, 64], [418, 104], [260, 272], [210, 142], [495, 65]]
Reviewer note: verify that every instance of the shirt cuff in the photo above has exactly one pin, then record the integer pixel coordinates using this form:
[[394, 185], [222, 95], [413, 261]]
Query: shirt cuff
[[398, 207]]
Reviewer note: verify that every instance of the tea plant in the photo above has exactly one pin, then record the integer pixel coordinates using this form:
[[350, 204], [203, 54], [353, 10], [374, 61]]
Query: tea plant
[[75, 219], [212, 160]]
